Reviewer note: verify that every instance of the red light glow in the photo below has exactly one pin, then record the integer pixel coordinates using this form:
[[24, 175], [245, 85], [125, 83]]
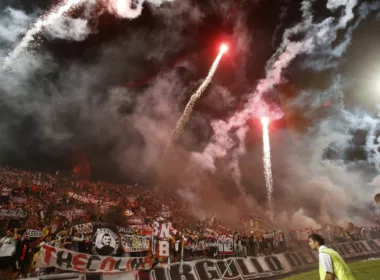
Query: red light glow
[[223, 48]]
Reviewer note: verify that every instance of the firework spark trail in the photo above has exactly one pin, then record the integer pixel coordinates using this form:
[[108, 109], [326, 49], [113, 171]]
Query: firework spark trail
[[267, 160], [41, 23], [177, 132], [122, 8], [318, 37]]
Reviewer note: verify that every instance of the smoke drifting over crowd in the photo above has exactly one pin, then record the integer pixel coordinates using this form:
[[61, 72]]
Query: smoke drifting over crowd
[[62, 88]]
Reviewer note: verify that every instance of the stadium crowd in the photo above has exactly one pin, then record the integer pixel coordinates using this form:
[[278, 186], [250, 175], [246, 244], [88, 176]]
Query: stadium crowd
[[53, 204]]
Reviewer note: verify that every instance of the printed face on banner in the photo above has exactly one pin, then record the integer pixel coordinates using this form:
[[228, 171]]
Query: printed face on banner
[[106, 242]]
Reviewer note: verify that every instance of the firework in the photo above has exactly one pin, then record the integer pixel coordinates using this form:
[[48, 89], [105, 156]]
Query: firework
[[42, 22], [193, 99], [267, 160]]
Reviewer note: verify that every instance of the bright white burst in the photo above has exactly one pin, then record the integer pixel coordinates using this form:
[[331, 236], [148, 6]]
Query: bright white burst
[[267, 160], [223, 48]]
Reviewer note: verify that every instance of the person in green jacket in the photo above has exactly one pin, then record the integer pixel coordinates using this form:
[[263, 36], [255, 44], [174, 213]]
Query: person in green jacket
[[331, 264]]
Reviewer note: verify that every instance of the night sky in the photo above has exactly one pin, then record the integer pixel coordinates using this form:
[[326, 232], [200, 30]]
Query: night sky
[[110, 92]]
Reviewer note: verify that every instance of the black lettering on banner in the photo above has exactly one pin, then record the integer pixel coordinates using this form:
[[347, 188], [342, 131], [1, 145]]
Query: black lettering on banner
[[258, 266], [373, 245], [307, 258], [228, 269], [136, 263], [117, 266], [206, 270], [61, 260], [293, 260], [244, 270], [89, 262], [159, 273], [274, 264], [185, 274]]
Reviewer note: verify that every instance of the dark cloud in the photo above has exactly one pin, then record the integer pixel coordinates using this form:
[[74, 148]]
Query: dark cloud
[[114, 88]]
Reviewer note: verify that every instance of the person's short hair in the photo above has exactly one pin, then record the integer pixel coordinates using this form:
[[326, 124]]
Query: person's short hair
[[317, 238]]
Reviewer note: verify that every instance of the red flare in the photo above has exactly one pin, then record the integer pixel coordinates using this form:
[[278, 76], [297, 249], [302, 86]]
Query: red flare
[[223, 48]]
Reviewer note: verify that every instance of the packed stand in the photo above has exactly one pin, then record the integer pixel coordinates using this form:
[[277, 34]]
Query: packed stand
[[38, 209]]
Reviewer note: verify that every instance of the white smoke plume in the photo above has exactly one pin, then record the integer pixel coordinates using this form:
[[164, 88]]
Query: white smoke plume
[[315, 34], [131, 8], [14, 23], [79, 105], [283, 14], [58, 24], [318, 41], [50, 19]]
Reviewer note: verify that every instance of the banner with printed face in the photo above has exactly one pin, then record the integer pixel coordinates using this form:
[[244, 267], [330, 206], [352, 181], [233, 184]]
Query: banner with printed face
[[105, 241], [135, 243], [265, 267], [73, 261]]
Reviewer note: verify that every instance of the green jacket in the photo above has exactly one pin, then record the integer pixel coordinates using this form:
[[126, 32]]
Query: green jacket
[[341, 270]]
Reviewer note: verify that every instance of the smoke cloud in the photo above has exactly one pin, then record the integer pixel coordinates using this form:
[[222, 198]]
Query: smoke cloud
[[318, 39], [52, 103]]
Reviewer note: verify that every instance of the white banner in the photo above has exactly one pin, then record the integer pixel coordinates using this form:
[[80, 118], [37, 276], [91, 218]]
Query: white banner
[[7, 250], [12, 214], [34, 233], [265, 267], [225, 244], [86, 228], [79, 197], [73, 261], [90, 199], [70, 213], [17, 199]]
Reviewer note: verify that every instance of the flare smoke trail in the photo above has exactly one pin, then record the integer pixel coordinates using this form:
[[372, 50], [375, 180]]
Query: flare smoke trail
[[318, 36], [122, 8], [38, 26], [177, 132], [267, 161], [284, 13]]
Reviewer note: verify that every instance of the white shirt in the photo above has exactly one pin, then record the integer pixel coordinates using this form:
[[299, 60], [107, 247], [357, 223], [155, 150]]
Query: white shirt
[[325, 260], [6, 240]]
